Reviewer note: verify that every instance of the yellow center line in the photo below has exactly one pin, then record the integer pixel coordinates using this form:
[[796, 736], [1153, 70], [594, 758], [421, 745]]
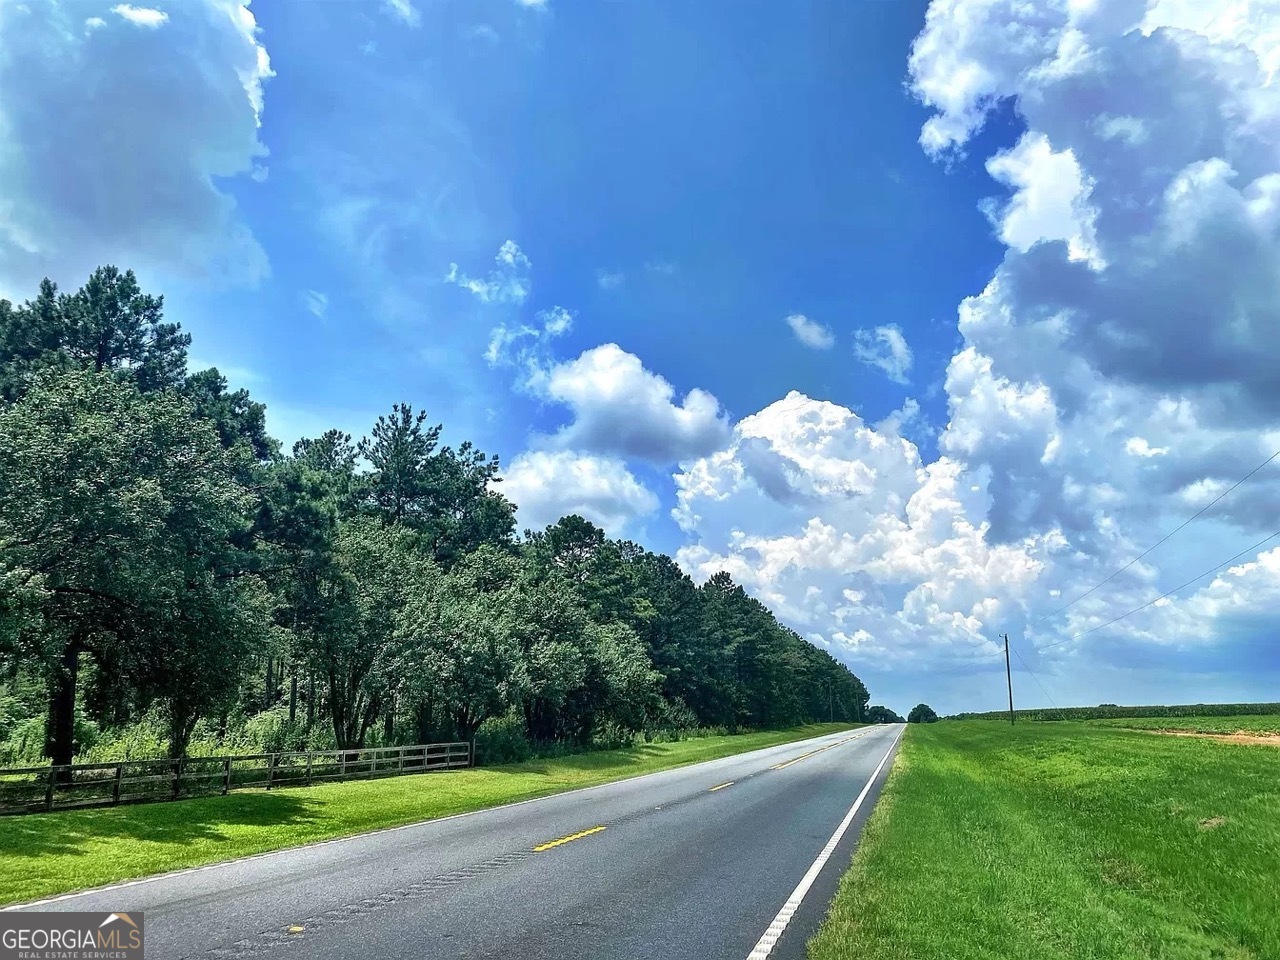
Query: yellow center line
[[573, 836], [721, 787], [803, 756]]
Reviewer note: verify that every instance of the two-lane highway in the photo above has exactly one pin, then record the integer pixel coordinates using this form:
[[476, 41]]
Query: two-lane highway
[[726, 859]]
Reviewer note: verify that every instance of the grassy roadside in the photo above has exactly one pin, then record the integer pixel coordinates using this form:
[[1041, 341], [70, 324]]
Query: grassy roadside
[[1060, 841], [46, 854]]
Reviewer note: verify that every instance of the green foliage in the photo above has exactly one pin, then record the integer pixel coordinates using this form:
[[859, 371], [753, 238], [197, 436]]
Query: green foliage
[[171, 583], [502, 740], [879, 714], [922, 713]]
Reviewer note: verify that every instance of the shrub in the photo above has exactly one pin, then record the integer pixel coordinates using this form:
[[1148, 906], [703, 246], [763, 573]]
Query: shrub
[[502, 740]]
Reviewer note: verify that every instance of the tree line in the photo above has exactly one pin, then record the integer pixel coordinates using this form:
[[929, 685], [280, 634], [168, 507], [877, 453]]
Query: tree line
[[162, 557], [1111, 711]]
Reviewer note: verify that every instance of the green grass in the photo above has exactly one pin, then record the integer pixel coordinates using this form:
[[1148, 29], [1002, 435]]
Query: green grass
[[51, 853], [1250, 724], [1064, 841]]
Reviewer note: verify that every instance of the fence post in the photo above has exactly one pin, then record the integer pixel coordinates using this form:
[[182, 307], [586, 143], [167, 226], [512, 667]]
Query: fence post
[[48, 790], [309, 755], [400, 768], [177, 778], [226, 776], [271, 769], [115, 787], [342, 765]]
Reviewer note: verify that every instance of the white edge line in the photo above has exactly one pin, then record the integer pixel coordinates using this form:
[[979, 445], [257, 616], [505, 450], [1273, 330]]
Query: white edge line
[[775, 930], [187, 871]]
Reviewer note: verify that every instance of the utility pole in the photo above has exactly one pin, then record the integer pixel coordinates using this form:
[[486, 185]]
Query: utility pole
[[1008, 676]]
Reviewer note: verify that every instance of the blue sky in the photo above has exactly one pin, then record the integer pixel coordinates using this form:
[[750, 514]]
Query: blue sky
[[918, 332]]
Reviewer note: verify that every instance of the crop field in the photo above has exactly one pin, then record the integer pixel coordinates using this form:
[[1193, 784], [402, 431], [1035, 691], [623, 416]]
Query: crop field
[[1062, 841], [1225, 725]]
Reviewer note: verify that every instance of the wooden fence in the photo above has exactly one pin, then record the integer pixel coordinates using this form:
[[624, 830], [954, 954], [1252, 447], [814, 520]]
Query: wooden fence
[[78, 785]]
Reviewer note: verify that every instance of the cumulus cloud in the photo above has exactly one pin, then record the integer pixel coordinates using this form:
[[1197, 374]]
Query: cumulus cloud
[[187, 84], [850, 536], [811, 333], [623, 409], [885, 348], [609, 279], [1049, 200], [1116, 375], [548, 485], [507, 282]]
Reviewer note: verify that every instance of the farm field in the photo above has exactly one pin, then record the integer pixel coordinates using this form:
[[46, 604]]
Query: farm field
[[50, 853], [1058, 841], [1245, 724]]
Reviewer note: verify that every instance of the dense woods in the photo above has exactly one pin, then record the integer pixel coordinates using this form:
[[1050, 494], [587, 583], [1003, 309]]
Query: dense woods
[[172, 581]]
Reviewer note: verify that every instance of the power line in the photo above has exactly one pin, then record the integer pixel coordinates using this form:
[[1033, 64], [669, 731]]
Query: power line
[[1129, 613], [1058, 643], [1195, 516], [1033, 676]]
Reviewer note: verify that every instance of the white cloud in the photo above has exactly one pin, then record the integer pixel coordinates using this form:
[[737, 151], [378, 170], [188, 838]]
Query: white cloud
[[533, 4], [519, 344], [811, 333], [621, 408], [548, 485], [141, 16], [886, 348], [317, 303], [609, 279], [1115, 376], [508, 282], [847, 534], [1138, 447], [1129, 129], [403, 10], [1050, 199], [81, 186], [93, 23]]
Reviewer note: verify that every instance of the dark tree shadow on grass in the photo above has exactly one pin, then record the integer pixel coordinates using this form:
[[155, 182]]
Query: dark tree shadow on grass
[[199, 820]]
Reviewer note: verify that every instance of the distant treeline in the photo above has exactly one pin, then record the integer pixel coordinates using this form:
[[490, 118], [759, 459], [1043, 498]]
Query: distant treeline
[[171, 580], [1107, 711]]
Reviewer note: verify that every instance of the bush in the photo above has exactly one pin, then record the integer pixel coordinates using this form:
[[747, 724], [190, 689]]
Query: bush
[[612, 736], [24, 746], [145, 739], [502, 740]]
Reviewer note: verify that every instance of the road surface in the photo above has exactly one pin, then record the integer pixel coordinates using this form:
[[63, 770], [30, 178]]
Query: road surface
[[700, 862]]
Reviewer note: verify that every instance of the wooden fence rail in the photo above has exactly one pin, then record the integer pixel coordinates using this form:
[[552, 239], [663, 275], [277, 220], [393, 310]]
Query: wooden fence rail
[[78, 785]]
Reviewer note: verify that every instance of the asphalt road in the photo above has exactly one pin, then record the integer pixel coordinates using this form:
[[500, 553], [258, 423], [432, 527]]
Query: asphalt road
[[688, 863]]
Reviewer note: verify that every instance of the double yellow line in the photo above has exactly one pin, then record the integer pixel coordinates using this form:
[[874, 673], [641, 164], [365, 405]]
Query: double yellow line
[[805, 756]]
